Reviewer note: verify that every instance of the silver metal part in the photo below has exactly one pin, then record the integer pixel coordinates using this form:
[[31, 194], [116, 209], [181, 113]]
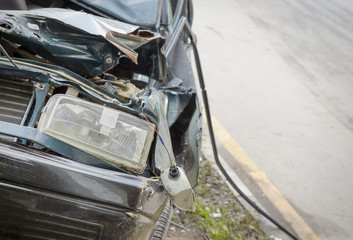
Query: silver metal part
[[179, 189]]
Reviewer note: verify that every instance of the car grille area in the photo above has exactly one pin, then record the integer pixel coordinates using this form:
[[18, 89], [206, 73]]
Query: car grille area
[[15, 95]]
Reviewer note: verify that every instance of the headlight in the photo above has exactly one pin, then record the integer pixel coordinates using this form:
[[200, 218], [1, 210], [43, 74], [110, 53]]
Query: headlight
[[115, 136]]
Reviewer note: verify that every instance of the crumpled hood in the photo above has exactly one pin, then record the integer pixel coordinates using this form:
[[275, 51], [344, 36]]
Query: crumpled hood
[[83, 43]]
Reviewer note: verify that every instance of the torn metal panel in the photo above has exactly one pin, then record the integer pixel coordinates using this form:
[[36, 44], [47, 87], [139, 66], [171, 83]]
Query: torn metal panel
[[90, 23], [83, 43], [185, 124]]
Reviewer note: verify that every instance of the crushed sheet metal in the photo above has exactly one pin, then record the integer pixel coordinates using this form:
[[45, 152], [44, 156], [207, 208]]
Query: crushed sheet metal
[[88, 40], [90, 23]]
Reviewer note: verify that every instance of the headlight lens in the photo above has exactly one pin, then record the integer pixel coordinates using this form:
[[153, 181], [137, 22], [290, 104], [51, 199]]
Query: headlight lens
[[115, 136]]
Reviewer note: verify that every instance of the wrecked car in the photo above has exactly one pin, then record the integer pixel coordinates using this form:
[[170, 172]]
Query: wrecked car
[[100, 124]]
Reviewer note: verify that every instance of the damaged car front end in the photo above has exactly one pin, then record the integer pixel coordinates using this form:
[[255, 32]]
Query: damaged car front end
[[100, 125]]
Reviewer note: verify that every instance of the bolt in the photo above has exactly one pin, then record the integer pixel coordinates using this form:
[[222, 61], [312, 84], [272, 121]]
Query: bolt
[[109, 60]]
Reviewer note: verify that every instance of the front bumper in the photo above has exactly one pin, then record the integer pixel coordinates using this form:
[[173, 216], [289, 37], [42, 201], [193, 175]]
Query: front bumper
[[48, 197]]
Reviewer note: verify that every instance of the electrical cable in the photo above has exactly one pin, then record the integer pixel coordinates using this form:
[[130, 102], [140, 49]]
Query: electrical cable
[[8, 57], [215, 152], [172, 164]]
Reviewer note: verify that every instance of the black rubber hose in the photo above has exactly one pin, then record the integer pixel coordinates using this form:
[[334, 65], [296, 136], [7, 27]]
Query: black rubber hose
[[215, 152]]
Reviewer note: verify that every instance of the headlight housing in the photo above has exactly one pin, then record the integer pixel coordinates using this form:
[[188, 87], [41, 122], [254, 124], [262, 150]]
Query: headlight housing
[[110, 134]]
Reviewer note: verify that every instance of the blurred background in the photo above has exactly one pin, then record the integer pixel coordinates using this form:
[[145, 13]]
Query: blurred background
[[279, 74]]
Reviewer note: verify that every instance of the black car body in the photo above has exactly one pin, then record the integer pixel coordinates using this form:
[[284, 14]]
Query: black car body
[[100, 125]]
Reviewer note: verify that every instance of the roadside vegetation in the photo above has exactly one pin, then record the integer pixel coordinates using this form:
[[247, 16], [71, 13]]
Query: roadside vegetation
[[218, 213]]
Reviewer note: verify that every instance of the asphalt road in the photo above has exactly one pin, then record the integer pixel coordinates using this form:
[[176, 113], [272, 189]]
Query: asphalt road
[[279, 78]]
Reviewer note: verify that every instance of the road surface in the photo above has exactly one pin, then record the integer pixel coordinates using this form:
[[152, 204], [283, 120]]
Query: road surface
[[279, 74]]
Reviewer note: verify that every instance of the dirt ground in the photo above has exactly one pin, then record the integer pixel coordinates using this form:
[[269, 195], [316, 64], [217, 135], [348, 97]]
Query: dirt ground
[[176, 233]]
